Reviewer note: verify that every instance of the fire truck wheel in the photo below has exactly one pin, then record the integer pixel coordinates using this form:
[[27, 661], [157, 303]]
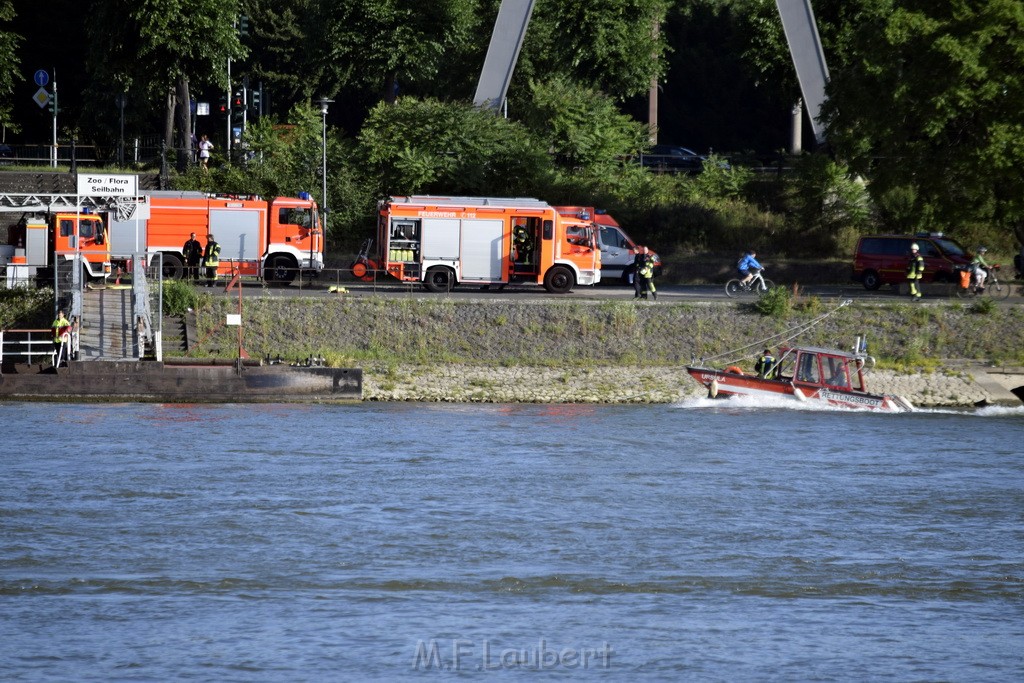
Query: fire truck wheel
[[559, 280], [173, 268], [280, 270], [439, 280]]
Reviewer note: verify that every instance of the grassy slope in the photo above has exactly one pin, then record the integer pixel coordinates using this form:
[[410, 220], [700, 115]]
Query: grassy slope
[[351, 330]]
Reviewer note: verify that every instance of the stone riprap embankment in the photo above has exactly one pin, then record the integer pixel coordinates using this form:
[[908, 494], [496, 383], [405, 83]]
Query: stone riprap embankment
[[521, 348], [467, 383]]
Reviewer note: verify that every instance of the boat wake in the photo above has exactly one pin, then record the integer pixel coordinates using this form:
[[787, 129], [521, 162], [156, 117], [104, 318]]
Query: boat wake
[[762, 403], [985, 411], [744, 403]]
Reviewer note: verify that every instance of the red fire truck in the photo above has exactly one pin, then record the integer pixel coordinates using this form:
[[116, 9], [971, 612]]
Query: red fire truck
[[274, 239], [447, 241], [41, 245]]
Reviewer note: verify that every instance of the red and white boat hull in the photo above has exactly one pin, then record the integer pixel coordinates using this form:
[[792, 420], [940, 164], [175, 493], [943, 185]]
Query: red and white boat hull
[[724, 384]]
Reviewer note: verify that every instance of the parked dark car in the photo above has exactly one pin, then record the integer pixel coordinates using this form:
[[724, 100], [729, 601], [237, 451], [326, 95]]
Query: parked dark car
[[672, 159], [882, 259]]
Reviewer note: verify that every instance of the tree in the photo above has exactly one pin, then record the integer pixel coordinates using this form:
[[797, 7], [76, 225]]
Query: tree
[[9, 42], [581, 126], [933, 111], [156, 47], [609, 45], [285, 41], [386, 45], [418, 146]]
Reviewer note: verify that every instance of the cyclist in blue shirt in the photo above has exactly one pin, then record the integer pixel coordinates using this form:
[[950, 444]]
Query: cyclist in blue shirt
[[745, 264]]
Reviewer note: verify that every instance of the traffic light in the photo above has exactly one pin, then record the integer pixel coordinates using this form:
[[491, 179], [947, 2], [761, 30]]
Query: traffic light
[[243, 25], [223, 106], [256, 96], [52, 104], [238, 106]]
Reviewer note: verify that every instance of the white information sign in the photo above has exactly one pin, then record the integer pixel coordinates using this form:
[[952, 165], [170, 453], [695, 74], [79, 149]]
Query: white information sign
[[94, 184], [233, 319]]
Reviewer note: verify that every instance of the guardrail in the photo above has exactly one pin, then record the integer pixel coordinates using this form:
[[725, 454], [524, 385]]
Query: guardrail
[[136, 151], [30, 346]]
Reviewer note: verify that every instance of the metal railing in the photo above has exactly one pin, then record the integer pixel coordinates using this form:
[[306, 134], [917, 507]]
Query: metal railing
[[146, 150], [33, 346]]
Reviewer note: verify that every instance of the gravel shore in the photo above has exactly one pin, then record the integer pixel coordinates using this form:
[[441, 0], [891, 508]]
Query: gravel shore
[[459, 383]]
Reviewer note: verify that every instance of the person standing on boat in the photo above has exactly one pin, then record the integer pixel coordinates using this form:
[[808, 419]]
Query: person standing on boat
[[765, 364], [915, 271], [745, 264]]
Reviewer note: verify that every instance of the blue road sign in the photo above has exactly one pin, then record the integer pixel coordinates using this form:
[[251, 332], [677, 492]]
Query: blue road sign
[[41, 78]]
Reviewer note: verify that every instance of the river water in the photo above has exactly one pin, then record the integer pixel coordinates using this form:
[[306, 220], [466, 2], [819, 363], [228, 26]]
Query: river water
[[711, 541]]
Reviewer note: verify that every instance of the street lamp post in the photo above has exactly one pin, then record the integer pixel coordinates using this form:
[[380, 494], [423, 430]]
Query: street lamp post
[[323, 102]]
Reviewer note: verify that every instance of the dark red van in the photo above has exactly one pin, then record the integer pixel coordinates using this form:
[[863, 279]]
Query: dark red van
[[883, 259]]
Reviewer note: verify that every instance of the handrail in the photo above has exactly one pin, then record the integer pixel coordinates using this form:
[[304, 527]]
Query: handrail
[[28, 349]]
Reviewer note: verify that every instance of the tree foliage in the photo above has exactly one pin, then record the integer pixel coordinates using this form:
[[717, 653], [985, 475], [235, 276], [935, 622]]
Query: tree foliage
[[8, 63], [418, 146], [389, 45], [610, 45], [284, 42], [154, 47], [582, 126], [932, 111]]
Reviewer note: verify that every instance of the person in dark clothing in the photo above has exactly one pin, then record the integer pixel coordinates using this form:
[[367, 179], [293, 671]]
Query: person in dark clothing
[[640, 263], [193, 253], [643, 274], [765, 364]]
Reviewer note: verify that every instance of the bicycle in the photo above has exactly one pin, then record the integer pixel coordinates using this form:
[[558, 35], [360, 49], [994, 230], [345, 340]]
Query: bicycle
[[993, 287], [757, 285]]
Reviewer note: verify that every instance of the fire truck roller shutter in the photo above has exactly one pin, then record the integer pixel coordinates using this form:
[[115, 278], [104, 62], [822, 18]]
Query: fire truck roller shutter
[[238, 233], [482, 250]]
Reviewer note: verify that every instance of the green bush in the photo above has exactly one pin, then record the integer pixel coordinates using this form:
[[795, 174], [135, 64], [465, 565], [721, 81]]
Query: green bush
[[984, 306], [26, 308], [776, 302], [179, 296]]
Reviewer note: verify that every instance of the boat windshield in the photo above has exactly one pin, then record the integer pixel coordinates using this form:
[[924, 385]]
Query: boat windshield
[[835, 371], [807, 368], [857, 377]]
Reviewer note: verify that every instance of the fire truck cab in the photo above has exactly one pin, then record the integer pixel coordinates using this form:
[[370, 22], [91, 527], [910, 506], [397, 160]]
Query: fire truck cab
[[39, 243]]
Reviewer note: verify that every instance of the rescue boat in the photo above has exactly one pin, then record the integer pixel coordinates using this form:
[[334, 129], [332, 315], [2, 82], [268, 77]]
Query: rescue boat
[[804, 374]]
